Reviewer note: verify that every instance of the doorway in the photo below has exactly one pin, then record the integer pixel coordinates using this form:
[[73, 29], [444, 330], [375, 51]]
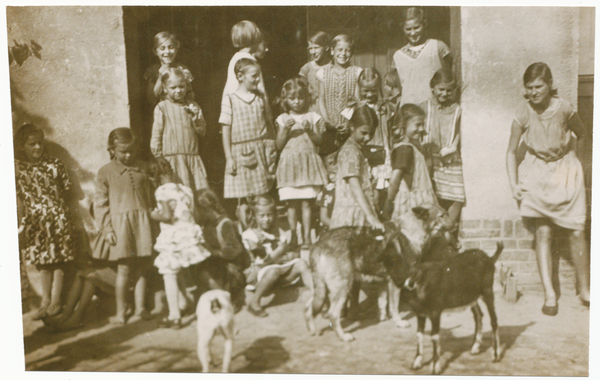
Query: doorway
[[204, 35]]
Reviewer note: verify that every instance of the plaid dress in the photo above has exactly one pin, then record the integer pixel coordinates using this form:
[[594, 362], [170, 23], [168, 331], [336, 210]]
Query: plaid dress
[[351, 163], [252, 146], [175, 137], [442, 127]]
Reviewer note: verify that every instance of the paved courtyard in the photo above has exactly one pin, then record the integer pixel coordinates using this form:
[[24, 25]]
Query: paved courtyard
[[532, 344]]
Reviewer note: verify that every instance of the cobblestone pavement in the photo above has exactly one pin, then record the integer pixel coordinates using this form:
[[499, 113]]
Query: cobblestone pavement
[[533, 344]]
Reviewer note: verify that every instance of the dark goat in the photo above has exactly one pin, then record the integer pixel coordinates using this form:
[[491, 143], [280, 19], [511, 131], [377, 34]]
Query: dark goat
[[454, 282]]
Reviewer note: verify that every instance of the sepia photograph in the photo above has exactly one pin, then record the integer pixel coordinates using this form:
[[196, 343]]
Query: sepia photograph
[[395, 189]]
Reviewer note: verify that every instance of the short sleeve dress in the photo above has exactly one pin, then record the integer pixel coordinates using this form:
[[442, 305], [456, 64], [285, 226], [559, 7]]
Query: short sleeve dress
[[179, 244], [550, 174], [442, 126], [47, 235], [351, 163], [418, 190], [252, 146], [175, 137], [300, 172], [416, 66]]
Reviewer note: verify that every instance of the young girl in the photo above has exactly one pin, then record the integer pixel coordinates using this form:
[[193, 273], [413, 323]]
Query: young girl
[[122, 205], [337, 86], [166, 47], [248, 137], [300, 173], [269, 245], [442, 136], [320, 56], [548, 184], [178, 123], [354, 204], [45, 222], [251, 44], [179, 242], [410, 185], [392, 89], [377, 151], [418, 60]]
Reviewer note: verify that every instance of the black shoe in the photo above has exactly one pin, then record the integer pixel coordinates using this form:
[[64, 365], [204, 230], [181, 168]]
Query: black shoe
[[550, 310]]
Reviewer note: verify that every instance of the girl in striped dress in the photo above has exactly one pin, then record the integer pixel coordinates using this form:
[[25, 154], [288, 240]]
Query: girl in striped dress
[[248, 137], [178, 123], [337, 86], [442, 142]]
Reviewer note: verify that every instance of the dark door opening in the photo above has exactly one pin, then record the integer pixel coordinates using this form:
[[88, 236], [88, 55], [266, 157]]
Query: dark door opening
[[206, 48]]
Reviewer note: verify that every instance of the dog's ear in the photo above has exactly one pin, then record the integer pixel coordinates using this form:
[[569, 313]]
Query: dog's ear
[[421, 212]]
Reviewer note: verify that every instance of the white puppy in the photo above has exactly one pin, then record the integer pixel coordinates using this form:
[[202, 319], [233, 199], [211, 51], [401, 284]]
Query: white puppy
[[215, 315]]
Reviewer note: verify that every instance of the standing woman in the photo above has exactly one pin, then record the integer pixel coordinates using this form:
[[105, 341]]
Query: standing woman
[[418, 60], [548, 184]]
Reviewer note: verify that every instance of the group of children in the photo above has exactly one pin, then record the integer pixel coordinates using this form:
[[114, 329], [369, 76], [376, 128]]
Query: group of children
[[363, 147]]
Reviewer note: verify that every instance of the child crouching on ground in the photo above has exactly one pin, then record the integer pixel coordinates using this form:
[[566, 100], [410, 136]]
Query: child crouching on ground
[[273, 262]]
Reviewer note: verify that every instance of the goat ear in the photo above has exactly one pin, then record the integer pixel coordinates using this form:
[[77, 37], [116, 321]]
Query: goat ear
[[421, 212]]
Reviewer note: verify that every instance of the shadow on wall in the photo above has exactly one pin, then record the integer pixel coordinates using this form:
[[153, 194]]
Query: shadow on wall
[[79, 199]]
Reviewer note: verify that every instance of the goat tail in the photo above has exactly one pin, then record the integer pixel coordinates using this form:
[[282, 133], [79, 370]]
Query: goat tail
[[499, 248]]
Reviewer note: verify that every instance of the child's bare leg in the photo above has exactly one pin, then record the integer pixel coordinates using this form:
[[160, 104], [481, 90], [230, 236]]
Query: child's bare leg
[[72, 299], [542, 249], [121, 293], [581, 260], [306, 220], [74, 321], [55, 295], [139, 295], [292, 214], [46, 280], [265, 283], [300, 269], [172, 290]]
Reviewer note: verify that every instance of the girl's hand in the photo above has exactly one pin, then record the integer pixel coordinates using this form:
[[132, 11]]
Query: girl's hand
[[230, 167], [445, 151], [306, 125], [518, 192], [289, 123], [375, 223], [111, 238], [162, 70]]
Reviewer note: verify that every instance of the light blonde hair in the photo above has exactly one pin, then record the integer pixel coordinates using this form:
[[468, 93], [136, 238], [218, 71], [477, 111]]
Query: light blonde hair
[[342, 38], [246, 34]]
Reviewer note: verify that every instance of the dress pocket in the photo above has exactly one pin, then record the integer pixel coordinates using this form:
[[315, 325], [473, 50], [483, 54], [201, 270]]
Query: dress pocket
[[248, 158]]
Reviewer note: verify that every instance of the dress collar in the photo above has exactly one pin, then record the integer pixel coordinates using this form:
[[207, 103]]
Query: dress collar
[[123, 168]]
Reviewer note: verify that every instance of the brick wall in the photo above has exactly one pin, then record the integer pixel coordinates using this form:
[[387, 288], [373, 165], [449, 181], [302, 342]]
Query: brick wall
[[519, 251]]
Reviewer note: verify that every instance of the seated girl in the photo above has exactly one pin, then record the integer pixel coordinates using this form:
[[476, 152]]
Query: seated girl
[[274, 263]]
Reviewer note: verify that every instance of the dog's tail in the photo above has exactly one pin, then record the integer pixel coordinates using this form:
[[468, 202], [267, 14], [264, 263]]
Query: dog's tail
[[499, 248]]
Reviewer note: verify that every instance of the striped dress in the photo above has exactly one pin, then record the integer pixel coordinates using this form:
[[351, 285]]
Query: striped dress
[[443, 127], [252, 146], [175, 137]]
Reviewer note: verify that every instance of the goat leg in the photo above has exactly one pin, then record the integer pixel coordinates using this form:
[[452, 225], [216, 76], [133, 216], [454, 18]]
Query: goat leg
[[488, 298], [418, 362], [478, 316], [436, 361]]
